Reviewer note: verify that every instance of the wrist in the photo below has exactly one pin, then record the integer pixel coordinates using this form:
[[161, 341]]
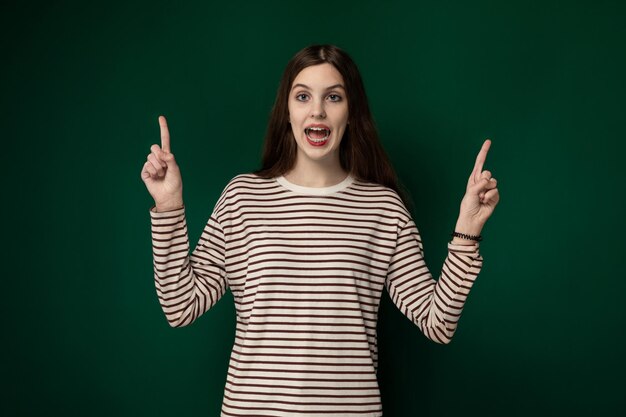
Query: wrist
[[467, 227], [471, 232], [168, 206], [459, 241]]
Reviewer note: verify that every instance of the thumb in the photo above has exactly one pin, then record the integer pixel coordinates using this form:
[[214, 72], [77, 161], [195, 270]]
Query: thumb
[[480, 185], [169, 159], [167, 156]]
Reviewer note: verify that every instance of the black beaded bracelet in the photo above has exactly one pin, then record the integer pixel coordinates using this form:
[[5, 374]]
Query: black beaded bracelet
[[464, 236]]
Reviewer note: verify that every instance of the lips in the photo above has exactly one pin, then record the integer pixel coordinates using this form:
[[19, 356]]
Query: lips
[[317, 134]]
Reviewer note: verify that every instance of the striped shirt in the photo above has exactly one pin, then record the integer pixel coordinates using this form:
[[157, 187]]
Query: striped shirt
[[306, 267]]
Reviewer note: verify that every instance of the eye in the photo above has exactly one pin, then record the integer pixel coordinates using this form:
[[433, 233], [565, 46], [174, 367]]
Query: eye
[[298, 97], [336, 97]]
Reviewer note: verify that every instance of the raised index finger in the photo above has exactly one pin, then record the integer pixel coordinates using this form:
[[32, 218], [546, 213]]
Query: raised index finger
[[165, 134], [480, 160]]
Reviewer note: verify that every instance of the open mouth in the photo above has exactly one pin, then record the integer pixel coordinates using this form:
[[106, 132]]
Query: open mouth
[[317, 135]]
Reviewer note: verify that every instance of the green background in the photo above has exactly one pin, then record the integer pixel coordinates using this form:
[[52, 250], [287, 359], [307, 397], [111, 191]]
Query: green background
[[84, 82]]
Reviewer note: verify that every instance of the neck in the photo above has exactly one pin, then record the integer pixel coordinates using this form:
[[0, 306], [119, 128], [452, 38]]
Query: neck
[[316, 174]]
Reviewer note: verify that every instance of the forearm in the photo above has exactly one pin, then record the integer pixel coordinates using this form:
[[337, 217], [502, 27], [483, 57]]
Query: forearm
[[174, 279], [187, 285]]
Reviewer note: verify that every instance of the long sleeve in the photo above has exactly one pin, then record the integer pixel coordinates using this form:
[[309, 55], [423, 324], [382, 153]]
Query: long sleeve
[[187, 286], [434, 306]]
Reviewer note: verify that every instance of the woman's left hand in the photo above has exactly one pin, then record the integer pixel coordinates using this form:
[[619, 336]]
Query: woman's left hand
[[481, 195]]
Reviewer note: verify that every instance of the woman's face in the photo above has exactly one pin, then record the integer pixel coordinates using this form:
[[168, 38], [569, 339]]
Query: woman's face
[[318, 112]]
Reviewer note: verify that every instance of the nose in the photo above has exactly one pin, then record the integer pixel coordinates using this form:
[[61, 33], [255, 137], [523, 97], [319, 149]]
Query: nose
[[317, 112]]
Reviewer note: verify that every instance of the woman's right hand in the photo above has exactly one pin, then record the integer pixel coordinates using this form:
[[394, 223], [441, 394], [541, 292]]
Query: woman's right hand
[[161, 174]]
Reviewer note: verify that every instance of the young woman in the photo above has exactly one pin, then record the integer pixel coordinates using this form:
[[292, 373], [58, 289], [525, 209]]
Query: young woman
[[306, 244]]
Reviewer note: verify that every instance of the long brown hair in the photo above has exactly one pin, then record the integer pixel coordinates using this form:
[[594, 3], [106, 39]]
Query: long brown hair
[[360, 152]]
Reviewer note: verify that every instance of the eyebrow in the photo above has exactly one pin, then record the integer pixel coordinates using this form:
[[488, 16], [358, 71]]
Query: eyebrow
[[327, 88]]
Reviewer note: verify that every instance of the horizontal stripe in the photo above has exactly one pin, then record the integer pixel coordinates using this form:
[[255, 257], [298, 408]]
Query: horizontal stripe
[[307, 273]]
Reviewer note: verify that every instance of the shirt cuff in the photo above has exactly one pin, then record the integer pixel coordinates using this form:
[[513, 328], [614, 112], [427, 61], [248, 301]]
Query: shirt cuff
[[467, 250], [159, 214]]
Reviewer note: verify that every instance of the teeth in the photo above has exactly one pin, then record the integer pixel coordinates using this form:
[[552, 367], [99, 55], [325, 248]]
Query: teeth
[[306, 131]]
